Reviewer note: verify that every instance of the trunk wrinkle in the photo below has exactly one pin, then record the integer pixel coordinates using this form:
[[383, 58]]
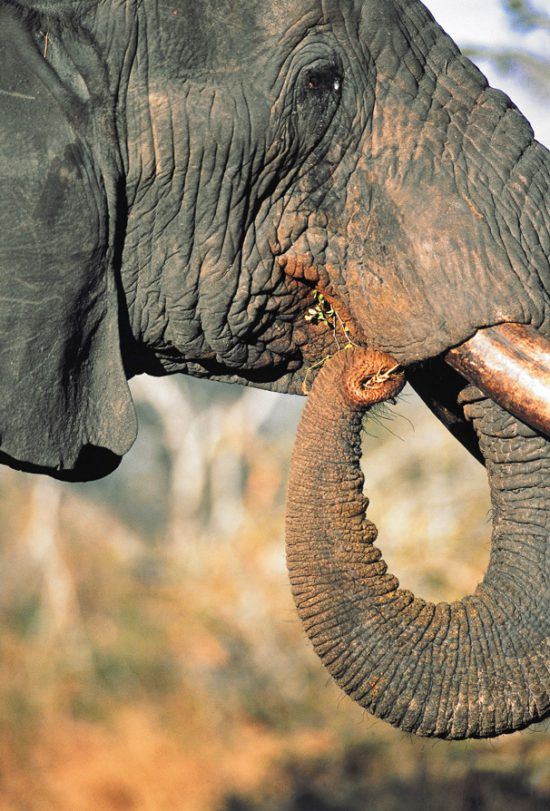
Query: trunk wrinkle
[[474, 668]]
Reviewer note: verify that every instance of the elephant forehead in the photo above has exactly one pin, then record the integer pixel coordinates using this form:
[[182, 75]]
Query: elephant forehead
[[239, 14], [218, 33]]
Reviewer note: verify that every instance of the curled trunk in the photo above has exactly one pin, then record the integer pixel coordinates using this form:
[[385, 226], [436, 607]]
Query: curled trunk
[[473, 668]]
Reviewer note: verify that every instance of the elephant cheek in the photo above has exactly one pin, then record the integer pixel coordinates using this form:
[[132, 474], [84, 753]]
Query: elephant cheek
[[424, 274]]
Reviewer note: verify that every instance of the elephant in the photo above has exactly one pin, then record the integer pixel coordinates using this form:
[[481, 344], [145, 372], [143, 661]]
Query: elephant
[[239, 191]]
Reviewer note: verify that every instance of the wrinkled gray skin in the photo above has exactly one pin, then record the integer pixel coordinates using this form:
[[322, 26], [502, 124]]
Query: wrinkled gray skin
[[176, 177]]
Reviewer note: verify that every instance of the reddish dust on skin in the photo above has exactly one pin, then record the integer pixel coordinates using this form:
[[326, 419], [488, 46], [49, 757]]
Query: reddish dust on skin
[[374, 376], [300, 267]]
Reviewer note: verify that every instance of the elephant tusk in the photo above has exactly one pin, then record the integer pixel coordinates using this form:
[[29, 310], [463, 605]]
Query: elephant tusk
[[510, 363]]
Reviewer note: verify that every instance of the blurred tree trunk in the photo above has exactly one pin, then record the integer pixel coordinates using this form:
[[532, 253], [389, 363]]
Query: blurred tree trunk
[[60, 616], [209, 449]]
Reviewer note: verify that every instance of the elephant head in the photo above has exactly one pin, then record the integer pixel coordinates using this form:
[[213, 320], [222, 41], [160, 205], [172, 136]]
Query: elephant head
[[234, 190]]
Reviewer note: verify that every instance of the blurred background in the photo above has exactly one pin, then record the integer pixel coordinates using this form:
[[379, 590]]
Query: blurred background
[[150, 654]]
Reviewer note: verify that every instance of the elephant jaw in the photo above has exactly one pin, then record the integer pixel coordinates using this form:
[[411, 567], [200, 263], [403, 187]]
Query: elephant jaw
[[510, 363]]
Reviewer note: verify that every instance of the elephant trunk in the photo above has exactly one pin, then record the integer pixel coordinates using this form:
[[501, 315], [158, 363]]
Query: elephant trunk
[[473, 668]]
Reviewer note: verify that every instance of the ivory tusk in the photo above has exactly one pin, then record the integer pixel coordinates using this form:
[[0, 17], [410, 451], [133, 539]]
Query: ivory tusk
[[510, 363]]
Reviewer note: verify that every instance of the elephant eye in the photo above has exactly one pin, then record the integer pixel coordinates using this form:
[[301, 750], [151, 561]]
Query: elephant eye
[[316, 96], [326, 79]]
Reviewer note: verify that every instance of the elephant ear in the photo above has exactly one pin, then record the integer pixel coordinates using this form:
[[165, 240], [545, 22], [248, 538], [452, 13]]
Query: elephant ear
[[65, 406]]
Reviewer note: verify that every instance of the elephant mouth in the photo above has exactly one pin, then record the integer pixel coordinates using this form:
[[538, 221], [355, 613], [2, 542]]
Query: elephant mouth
[[508, 362]]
